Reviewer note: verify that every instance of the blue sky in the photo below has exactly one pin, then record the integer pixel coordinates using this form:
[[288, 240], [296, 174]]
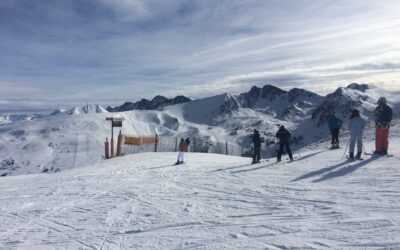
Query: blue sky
[[66, 53]]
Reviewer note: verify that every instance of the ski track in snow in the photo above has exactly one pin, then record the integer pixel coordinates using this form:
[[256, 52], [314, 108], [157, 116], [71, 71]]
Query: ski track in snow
[[211, 202]]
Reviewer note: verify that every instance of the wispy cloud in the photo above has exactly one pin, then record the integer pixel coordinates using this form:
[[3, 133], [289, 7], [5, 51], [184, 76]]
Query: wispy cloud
[[66, 52]]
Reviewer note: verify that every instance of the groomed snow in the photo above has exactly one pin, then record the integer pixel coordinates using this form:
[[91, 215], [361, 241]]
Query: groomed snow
[[212, 202]]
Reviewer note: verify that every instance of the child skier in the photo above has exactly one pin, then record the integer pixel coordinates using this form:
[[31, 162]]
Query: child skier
[[283, 136], [182, 149], [383, 117], [356, 127]]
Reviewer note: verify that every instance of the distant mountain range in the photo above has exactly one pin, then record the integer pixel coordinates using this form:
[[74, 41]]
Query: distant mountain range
[[144, 104], [75, 137]]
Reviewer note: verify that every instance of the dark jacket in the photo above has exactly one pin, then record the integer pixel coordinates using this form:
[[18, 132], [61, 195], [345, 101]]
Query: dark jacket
[[283, 135], [182, 146], [383, 115], [257, 140], [334, 122]]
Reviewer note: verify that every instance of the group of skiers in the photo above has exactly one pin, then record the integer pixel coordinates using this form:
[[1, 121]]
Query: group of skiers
[[283, 135], [382, 115]]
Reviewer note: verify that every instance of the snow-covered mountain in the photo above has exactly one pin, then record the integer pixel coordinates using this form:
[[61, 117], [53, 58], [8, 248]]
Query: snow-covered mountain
[[360, 96], [292, 105], [156, 103], [87, 109], [208, 110], [10, 118]]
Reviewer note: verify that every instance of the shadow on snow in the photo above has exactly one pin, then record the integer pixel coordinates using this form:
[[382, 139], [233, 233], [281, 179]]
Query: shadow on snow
[[266, 166], [341, 172], [346, 170]]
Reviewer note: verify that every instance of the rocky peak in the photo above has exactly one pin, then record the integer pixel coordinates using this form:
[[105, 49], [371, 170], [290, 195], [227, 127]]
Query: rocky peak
[[359, 87], [300, 93], [180, 99], [271, 92], [159, 101], [144, 104]]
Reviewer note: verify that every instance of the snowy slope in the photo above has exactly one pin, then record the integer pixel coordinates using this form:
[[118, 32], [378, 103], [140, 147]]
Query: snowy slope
[[213, 202]]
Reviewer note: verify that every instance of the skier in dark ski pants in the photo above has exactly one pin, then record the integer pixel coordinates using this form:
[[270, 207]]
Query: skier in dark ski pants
[[257, 147], [383, 117], [283, 135], [334, 125]]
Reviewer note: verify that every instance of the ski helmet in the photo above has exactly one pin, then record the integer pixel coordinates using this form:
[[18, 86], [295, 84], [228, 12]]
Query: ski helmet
[[382, 100]]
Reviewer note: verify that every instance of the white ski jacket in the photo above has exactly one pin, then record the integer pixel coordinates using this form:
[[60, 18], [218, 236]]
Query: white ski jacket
[[356, 126]]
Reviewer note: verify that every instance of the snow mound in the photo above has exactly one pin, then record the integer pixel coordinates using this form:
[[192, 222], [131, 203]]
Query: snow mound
[[88, 109]]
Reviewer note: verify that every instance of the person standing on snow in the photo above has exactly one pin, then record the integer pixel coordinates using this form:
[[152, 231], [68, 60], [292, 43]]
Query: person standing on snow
[[383, 116], [283, 135], [356, 127], [182, 150], [334, 125], [257, 147]]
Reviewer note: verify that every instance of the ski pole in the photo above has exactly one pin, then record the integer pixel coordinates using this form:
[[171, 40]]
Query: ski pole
[[348, 143], [298, 152], [326, 145], [365, 151]]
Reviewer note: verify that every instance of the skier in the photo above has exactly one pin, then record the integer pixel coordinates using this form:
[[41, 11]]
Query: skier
[[182, 150], [187, 144], [283, 135], [383, 117], [334, 125], [257, 147], [356, 127]]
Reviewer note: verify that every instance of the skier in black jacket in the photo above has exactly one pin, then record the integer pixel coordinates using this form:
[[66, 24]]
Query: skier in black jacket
[[283, 135], [257, 147], [383, 116]]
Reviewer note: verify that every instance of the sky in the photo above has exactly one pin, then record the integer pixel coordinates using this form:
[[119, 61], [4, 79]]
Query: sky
[[60, 54]]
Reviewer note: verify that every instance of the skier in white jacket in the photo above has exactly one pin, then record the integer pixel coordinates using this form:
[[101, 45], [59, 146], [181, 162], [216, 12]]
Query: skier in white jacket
[[356, 127]]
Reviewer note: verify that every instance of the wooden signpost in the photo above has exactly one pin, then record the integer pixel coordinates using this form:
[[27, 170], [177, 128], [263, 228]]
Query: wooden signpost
[[115, 123]]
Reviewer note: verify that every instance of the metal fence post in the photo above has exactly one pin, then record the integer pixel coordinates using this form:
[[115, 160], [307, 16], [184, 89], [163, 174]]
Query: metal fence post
[[156, 143]]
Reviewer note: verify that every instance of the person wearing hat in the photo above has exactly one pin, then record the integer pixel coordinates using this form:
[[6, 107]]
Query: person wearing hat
[[283, 135], [257, 147], [356, 127], [383, 116], [334, 125]]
